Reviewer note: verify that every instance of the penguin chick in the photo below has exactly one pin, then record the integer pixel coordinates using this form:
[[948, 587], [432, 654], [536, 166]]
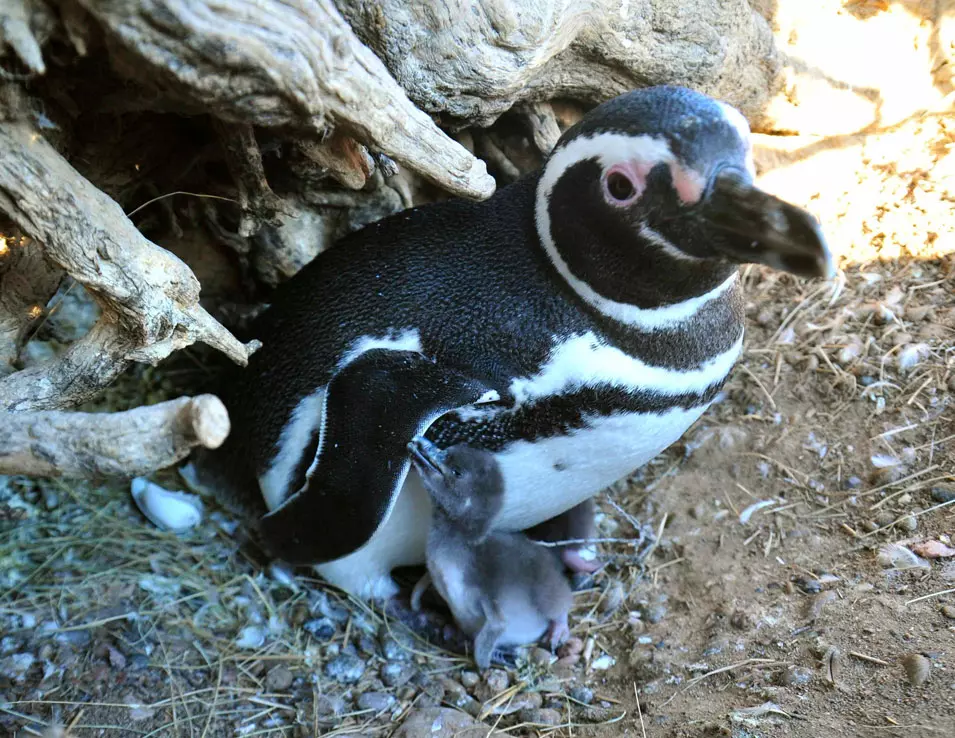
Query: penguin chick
[[576, 524], [502, 589]]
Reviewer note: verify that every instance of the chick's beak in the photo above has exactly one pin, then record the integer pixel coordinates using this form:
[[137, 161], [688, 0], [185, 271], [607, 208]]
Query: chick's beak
[[760, 228], [427, 458]]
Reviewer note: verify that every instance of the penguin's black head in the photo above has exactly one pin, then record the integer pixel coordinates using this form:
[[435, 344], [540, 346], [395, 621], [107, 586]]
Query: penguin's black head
[[649, 200], [463, 481]]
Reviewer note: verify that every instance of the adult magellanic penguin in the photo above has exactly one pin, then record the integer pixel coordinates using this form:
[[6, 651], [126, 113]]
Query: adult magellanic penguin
[[575, 324]]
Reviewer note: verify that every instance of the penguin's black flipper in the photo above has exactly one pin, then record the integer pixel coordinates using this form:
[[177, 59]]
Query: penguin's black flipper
[[374, 406]]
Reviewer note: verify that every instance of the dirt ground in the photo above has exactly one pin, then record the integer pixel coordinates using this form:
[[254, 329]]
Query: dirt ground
[[803, 583]]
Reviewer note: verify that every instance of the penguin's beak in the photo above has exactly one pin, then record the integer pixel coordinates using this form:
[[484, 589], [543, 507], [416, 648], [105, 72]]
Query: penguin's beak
[[757, 227], [427, 458]]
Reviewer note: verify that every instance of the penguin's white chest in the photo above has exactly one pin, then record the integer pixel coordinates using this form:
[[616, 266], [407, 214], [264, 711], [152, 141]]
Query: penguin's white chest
[[548, 476]]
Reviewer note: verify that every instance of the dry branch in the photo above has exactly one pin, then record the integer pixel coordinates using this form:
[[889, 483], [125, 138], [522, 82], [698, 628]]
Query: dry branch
[[295, 64], [342, 157], [149, 298], [17, 18], [131, 443], [543, 123], [257, 201]]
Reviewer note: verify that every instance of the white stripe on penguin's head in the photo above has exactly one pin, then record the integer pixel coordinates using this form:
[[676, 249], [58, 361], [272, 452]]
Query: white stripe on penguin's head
[[637, 156]]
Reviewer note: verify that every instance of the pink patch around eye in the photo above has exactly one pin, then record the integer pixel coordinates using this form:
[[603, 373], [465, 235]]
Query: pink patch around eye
[[688, 184], [623, 183]]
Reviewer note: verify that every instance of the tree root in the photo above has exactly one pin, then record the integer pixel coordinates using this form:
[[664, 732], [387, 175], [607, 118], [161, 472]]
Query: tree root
[[258, 203], [149, 298], [27, 283], [131, 443], [543, 124]]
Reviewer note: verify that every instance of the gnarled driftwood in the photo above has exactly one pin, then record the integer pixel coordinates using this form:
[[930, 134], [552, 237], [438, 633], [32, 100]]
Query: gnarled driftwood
[[131, 443], [149, 298], [291, 63], [475, 60]]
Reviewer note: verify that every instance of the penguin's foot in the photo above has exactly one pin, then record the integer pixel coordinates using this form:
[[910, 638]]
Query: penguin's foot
[[429, 624], [557, 633], [506, 656], [573, 560]]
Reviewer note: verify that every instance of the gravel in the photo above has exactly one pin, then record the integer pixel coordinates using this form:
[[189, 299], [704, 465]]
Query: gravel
[[345, 669]]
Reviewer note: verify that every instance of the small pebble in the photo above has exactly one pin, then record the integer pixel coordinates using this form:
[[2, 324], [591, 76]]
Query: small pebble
[[572, 647], [598, 714], [377, 701], [795, 676], [252, 637], [742, 620], [613, 598], [518, 703], [345, 669], [326, 705], [117, 659], [17, 665], [943, 494], [809, 585], [541, 716], [406, 693], [949, 611], [454, 692], [394, 651], [884, 518], [470, 678], [909, 523], [321, 629], [430, 685], [497, 680], [541, 657], [438, 722], [917, 668], [817, 603], [74, 638], [50, 499], [602, 663], [278, 679], [582, 694], [396, 674], [932, 549], [655, 613]]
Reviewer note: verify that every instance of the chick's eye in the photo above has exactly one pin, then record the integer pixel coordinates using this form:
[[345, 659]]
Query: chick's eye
[[619, 186], [455, 472]]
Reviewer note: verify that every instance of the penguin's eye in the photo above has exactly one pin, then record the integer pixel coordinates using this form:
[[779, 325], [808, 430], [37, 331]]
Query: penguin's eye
[[455, 472], [619, 187]]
